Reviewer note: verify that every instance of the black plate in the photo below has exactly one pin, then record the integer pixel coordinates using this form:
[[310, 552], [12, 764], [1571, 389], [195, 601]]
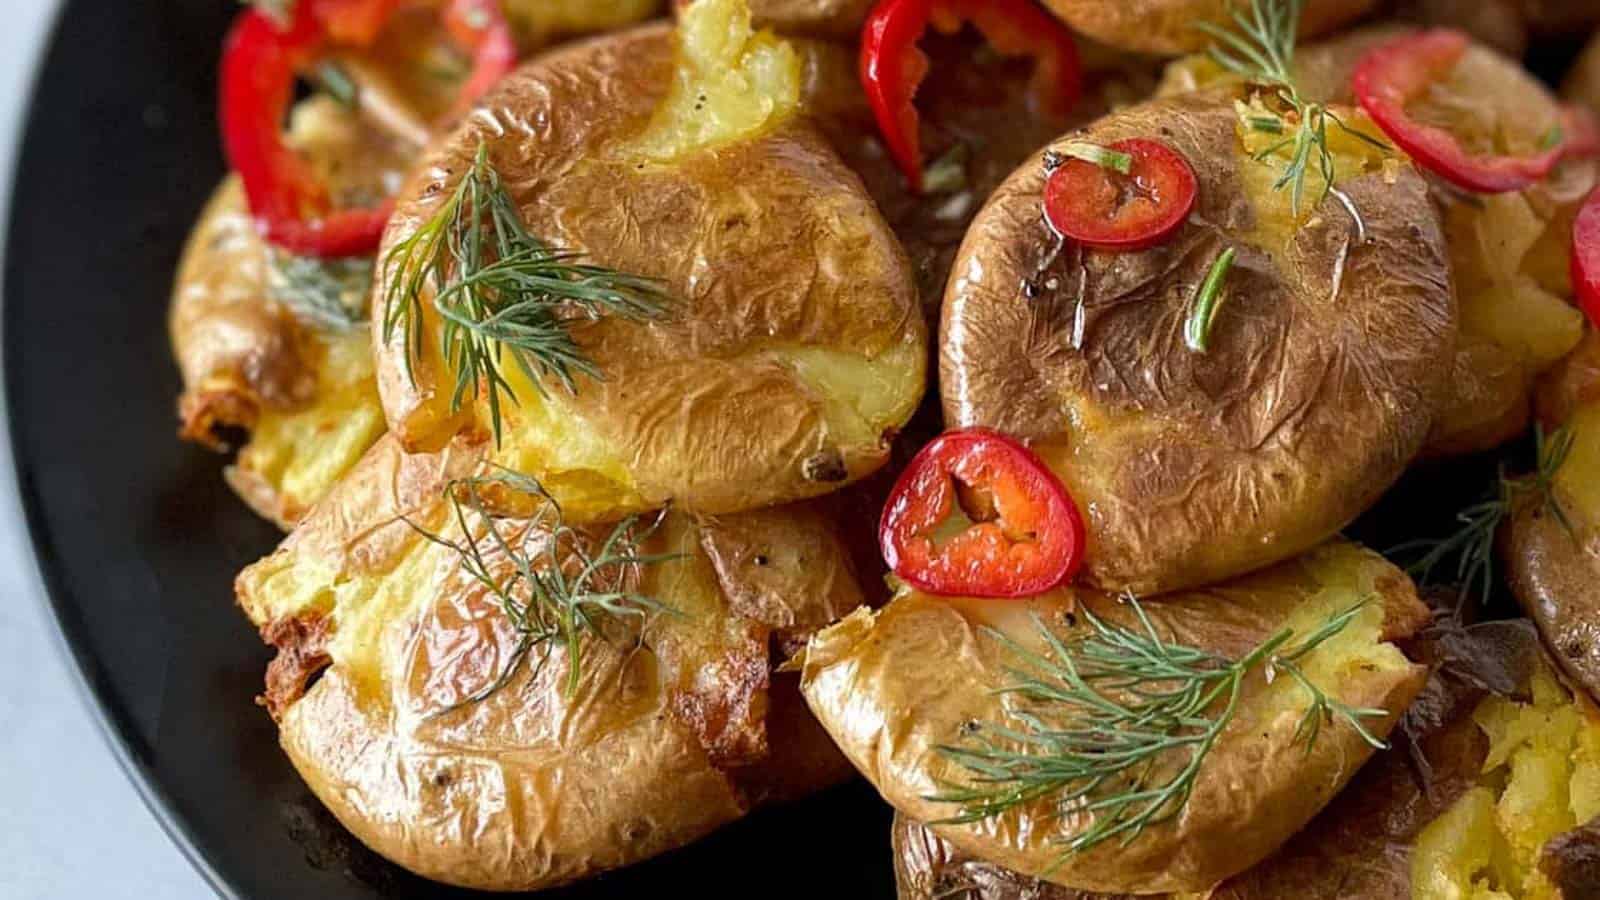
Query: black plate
[[139, 541]]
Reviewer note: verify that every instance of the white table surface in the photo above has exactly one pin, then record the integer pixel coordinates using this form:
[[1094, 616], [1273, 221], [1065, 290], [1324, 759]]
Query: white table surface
[[71, 826]]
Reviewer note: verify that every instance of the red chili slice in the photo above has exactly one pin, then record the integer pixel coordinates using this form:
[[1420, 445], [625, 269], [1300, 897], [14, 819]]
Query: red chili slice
[[977, 514], [1105, 209], [259, 63], [1586, 257], [1393, 75], [893, 67]]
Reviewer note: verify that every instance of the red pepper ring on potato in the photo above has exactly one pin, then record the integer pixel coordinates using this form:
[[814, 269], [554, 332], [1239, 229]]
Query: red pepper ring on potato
[[893, 66], [977, 514], [1394, 74], [260, 59], [1586, 257], [1099, 206]]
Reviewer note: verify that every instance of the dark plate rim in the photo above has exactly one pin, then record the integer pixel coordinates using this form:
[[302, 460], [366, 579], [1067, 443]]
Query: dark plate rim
[[38, 581]]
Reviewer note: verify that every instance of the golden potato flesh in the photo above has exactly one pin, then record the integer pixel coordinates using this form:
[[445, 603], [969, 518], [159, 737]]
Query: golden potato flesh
[[817, 18], [792, 350], [676, 724], [1326, 362], [1169, 26], [1539, 780], [893, 686], [255, 354]]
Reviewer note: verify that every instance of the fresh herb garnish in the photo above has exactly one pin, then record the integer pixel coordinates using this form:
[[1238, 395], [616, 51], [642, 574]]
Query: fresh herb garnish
[[330, 294], [948, 173], [1100, 716], [499, 290], [1552, 137], [1472, 546], [1104, 157], [552, 587], [336, 83], [1203, 314], [1261, 50]]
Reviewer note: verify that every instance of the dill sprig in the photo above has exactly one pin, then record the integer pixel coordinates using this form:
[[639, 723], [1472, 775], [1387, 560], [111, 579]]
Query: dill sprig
[[327, 293], [552, 587], [499, 290], [1260, 49], [1472, 545], [1103, 716]]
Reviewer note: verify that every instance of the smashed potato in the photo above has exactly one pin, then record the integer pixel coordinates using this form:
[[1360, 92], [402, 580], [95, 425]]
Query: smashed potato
[[791, 351], [407, 701], [1541, 779], [1329, 356], [892, 686], [1509, 253], [295, 374]]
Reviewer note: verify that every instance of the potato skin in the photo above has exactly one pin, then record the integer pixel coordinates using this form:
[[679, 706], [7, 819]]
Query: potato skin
[[673, 730], [891, 688], [1360, 845], [765, 244], [1191, 468], [244, 356], [1554, 573], [1167, 26]]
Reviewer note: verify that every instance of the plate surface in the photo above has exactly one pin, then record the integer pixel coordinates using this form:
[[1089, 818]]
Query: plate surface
[[139, 540]]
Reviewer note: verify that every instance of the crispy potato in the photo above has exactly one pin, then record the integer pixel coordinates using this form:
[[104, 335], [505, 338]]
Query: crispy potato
[[672, 728], [301, 388], [1327, 360], [792, 350], [1168, 26], [1509, 253], [1362, 844], [892, 686], [1554, 572]]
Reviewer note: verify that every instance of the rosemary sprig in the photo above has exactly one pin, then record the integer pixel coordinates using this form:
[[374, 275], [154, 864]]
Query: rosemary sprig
[[1260, 49], [1103, 715], [552, 587], [499, 290], [1203, 314], [327, 293], [1472, 545]]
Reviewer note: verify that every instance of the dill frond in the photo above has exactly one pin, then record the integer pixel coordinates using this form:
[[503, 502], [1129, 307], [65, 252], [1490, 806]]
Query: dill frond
[[553, 588], [1100, 718], [1260, 49], [500, 291], [330, 294], [1472, 545]]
